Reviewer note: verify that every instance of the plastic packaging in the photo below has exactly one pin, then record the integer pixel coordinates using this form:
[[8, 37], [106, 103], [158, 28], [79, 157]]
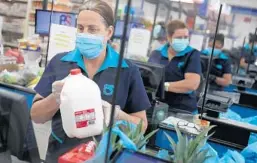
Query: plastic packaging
[[123, 139], [81, 106], [79, 154], [232, 157], [250, 153]]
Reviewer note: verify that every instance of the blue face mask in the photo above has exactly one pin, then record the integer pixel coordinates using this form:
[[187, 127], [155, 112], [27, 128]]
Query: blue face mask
[[90, 46], [247, 46], [179, 44], [216, 52]]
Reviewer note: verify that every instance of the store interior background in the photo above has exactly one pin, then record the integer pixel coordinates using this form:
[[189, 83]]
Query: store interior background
[[239, 18]]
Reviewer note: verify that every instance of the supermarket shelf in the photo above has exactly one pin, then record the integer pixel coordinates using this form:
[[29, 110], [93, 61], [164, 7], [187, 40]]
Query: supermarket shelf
[[8, 30], [10, 44], [17, 1], [12, 16], [25, 1]]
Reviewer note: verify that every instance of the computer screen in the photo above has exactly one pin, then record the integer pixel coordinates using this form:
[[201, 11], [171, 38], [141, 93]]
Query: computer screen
[[16, 126], [127, 156], [120, 26], [153, 76], [42, 19]]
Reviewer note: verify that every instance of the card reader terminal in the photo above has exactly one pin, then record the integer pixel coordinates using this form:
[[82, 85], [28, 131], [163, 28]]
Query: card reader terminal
[[215, 103], [242, 82]]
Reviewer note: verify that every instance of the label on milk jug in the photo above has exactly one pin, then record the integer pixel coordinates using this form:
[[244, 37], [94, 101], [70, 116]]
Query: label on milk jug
[[85, 118]]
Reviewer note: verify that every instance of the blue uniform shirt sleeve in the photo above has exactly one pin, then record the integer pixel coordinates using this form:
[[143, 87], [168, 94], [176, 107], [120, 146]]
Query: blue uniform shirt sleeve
[[194, 63], [137, 98], [44, 86]]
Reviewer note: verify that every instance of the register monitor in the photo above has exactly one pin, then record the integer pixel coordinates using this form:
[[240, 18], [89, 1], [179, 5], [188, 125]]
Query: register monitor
[[153, 76], [126, 156], [15, 120], [119, 27], [205, 63], [42, 19]]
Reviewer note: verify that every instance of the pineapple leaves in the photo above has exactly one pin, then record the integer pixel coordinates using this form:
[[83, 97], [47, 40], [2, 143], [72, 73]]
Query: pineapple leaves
[[189, 149], [139, 128], [96, 142], [199, 139], [181, 145], [172, 142], [146, 138]]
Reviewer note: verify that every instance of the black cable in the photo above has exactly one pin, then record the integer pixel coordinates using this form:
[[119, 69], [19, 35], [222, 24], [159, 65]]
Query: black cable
[[115, 15], [154, 22], [242, 51], [49, 29], [116, 10], [252, 49], [210, 62], [121, 56]]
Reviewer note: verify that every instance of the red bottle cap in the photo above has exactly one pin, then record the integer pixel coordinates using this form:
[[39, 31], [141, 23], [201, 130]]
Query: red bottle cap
[[75, 71]]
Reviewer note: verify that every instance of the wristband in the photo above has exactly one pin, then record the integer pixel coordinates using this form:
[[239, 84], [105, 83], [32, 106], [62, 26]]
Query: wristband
[[166, 86]]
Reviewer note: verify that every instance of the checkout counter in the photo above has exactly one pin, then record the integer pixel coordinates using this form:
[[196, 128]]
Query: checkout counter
[[245, 104], [228, 134]]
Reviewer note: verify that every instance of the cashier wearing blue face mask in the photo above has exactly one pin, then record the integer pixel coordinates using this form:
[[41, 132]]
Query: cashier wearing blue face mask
[[183, 67], [246, 54], [98, 61], [220, 73]]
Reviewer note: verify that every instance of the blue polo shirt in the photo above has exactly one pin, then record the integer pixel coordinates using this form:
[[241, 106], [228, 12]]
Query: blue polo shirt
[[131, 95], [221, 65], [187, 61]]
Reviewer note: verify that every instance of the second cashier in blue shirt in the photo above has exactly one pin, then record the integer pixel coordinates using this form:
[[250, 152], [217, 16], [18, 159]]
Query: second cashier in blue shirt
[[220, 72], [183, 68]]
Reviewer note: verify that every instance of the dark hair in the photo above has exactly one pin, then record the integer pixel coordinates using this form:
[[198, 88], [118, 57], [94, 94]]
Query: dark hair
[[100, 7], [252, 38], [173, 25], [219, 37]]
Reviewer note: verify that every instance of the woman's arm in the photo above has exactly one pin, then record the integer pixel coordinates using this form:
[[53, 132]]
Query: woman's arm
[[225, 80], [190, 83], [243, 64], [134, 118], [43, 109]]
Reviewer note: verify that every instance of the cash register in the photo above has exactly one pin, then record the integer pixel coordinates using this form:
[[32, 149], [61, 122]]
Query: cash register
[[153, 76], [242, 82], [214, 104]]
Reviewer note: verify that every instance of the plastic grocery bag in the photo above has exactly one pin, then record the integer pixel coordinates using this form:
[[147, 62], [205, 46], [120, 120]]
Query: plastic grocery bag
[[231, 115], [163, 154], [124, 140], [232, 157], [250, 153], [251, 120], [214, 157], [12, 78]]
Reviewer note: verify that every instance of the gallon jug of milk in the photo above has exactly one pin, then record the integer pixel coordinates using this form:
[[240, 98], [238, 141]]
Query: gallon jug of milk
[[81, 106]]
